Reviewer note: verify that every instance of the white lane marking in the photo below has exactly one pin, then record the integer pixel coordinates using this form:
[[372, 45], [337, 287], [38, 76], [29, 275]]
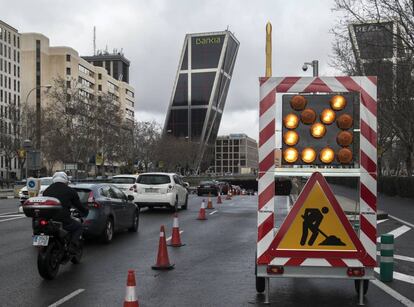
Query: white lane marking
[[402, 299], [11, 219], [67, 297], [400, 257], [10, 215], [396, 232], [5, 213], [215, 211], [169, 238], [400, 276], [381, 221], [400, 220]]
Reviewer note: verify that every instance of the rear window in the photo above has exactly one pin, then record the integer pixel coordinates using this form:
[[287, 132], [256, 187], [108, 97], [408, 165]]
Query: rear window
[[122, 180], [206, 183], [83, 194], [153, 179], [47, 181]]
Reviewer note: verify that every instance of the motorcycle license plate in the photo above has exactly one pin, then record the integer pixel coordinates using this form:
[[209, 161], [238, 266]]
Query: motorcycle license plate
[[40, 240]]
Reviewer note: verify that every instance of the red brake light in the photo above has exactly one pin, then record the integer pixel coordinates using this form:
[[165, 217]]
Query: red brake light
[[275, 269], [92, 202], [357, 272], [43, 222], [91, 198]]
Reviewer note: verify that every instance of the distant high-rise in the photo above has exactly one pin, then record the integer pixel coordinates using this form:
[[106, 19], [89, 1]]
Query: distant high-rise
[[200, 89], [116, 64]]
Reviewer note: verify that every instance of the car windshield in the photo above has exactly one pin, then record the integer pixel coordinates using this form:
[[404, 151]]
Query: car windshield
[[121, 180], [83, 195], [153, 179], [46, 181]]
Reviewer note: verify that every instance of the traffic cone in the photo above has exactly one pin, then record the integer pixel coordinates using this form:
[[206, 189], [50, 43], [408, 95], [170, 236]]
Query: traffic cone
[[175, 238], [202, 212], [219, 199], [209, 202], [228, 197], [163, 263], [131, 299]]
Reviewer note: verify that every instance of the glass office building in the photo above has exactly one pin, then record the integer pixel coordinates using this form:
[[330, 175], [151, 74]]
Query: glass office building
[[200, 90]]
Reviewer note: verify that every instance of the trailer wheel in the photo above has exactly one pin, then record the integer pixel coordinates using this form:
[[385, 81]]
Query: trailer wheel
[[260, 281], [357, 284]]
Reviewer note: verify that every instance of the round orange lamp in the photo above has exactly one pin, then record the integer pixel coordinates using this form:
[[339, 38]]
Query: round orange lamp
[[318, 130], [308, 116], [327, 116], [308, 155], [291, 121], [344, 138], [344, 121], [298, 102], [290, 155], [344, 155], [290, 138], [327, 155], [338, 102]]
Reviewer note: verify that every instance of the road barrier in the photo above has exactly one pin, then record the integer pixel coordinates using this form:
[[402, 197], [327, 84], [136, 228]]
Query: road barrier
[[163, 262], [202, 212], [387, 257], [175, 238], [131, 299]]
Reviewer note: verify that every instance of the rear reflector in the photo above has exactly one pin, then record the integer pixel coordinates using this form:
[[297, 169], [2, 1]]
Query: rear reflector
[[43, 222], [275, 269], [355, 272]]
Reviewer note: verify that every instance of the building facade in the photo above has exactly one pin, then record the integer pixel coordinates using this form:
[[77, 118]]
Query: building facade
[[235, 154], [10, 101], [116, 64], [41, 64], [200, 89]]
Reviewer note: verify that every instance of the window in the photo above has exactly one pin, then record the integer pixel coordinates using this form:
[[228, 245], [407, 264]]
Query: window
[[129, 93], [99, 87], [68, 71], [100, 76], [153, 179], [201, 87], [86, 71], [68, 58], [181, 91], [68, 84], [206, 51]]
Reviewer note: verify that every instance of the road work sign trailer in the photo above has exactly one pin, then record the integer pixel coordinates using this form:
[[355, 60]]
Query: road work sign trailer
[[312, 128]]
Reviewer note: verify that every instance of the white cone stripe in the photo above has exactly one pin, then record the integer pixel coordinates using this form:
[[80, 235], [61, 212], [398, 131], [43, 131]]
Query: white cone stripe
[[370, 247], [369, 182], [264, 243], [161, 234], [334, 84], [315, 262], [130, 294], [279, 261], [368, 86], [267, 117], [262, 216], [267, 148], [175, 223], [301, 84], [353, 263], [368, 149], [368, 117]]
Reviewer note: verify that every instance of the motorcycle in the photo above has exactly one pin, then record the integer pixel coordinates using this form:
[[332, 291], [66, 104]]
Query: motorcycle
[[52, 241]]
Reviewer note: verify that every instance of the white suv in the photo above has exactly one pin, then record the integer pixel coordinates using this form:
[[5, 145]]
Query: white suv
[[127, 184], [162, 190]]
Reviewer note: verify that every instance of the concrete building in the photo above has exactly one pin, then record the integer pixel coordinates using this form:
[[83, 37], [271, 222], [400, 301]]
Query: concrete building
[[116, 64], [200, 89], [235, 154], [42, 63], [10, 93]]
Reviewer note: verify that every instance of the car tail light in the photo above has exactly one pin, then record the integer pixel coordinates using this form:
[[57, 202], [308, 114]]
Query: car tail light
[[43, 222], [92, 202], [275, 269], [355, 272], [133, 188]]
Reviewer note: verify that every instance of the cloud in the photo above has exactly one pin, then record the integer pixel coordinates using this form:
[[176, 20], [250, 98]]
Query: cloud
[[151, 34]]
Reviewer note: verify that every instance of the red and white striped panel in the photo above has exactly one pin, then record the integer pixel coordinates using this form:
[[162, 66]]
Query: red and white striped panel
[[367, 87]]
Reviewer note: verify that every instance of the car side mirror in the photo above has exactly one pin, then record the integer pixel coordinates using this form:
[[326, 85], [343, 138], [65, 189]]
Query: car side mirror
[[130, 198], [186, 184]]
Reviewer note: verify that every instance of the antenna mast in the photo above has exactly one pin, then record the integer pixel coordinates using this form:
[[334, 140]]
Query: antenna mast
[[94, 40]]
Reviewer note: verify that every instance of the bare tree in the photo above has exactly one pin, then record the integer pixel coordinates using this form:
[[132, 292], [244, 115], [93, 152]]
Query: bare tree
[[147, 136]]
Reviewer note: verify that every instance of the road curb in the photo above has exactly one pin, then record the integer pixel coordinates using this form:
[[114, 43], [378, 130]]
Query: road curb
[[7, 197], [381, 215]]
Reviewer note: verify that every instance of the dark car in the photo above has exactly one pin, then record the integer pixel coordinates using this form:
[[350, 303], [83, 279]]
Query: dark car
[[224, 187], [208, 187], [110, 210]]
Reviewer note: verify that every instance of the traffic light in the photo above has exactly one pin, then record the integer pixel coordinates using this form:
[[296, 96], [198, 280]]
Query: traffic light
[[318, 129]]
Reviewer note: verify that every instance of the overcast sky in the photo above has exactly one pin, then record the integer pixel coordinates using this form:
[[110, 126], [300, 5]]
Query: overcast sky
[[152, 32]]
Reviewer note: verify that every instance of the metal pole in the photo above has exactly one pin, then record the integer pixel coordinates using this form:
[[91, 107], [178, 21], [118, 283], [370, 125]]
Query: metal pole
[[315, 67], [267, 290], [361, 293]]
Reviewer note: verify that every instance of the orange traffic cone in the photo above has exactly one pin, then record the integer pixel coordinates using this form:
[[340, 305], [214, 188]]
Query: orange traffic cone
[[175, 238], [209, 202], [219, 199], [202, 212], [163, 263], [131, 299]]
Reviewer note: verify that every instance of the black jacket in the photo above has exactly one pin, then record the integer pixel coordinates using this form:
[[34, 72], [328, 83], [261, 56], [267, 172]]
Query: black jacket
[[68, 198]]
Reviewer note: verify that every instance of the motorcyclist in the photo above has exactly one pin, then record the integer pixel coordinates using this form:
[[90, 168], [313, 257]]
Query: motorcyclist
[[69, 199]]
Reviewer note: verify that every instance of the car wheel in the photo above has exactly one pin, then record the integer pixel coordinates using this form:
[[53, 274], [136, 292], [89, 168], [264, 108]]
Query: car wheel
[[108, 232], [185, 206], [134, 227], [175, 207]]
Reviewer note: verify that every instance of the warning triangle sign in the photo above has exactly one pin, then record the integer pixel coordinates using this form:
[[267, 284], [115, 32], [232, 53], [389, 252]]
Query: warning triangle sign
[[317, 227]]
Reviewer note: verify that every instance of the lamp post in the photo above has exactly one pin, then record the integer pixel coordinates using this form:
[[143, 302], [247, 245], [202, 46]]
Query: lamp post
[[27, 145], [315, 67]]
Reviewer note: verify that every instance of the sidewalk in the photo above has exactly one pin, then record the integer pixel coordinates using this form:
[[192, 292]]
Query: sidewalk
[[7, 193]]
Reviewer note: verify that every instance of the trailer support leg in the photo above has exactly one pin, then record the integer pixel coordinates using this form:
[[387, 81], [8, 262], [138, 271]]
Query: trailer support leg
[[267, 280], [361, 293]]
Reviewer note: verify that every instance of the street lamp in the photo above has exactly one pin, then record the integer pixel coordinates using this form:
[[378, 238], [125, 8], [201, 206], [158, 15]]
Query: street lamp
[[27, 145], [315, 67]]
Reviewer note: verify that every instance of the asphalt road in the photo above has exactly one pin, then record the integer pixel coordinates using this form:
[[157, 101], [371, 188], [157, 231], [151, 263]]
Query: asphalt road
[[214, 268]]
